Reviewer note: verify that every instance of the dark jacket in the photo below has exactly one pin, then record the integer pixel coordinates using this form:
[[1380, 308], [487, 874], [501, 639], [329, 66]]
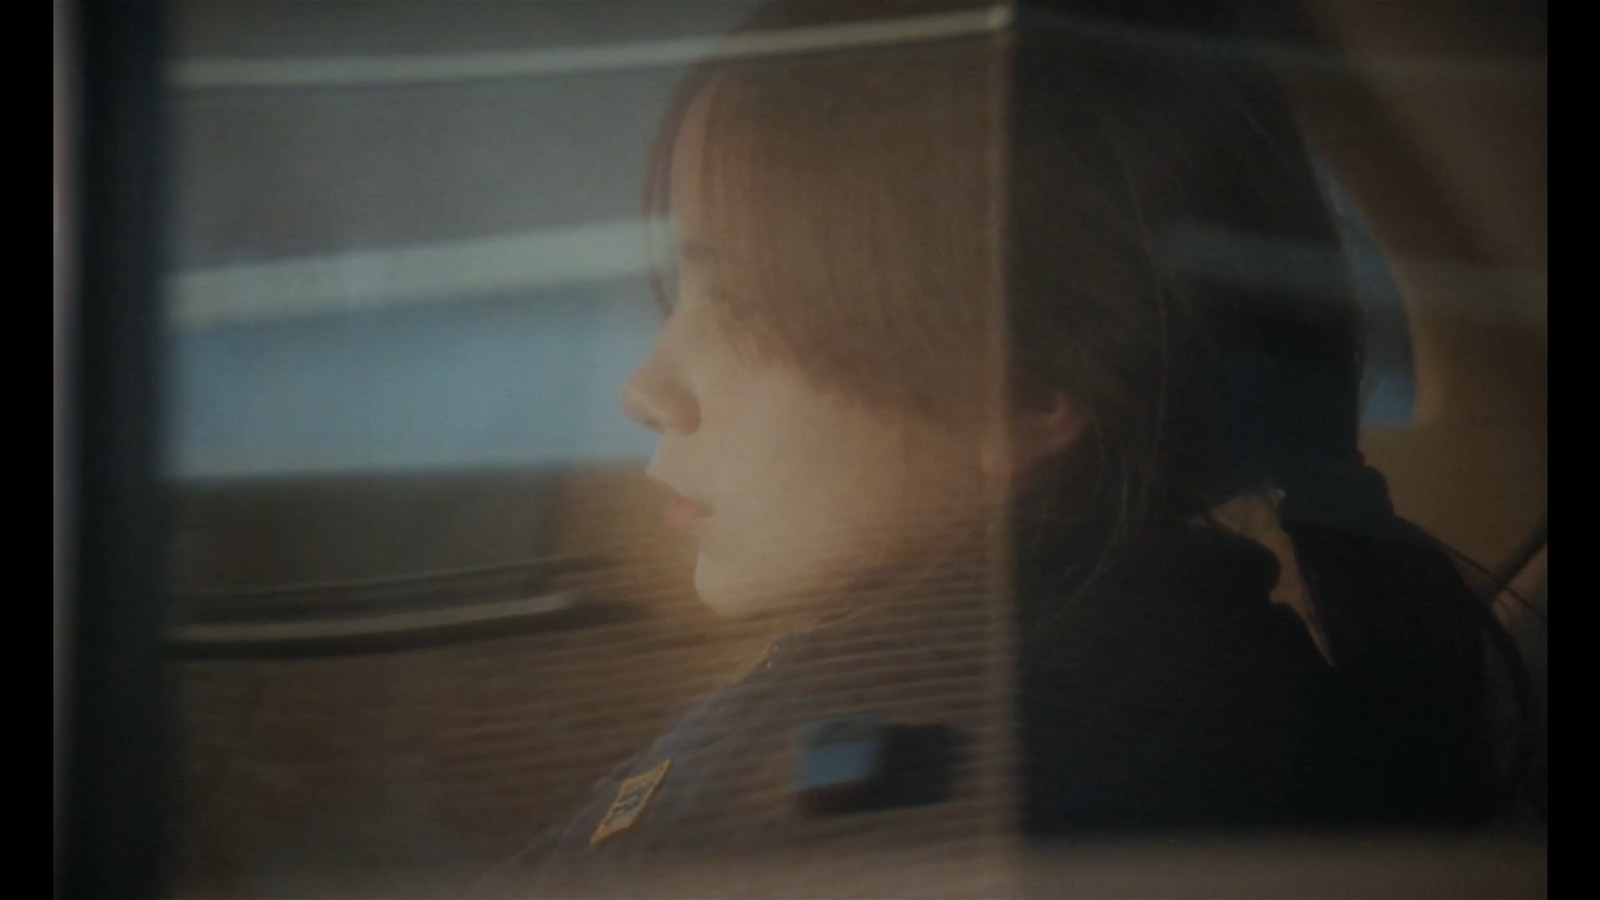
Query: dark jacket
[[1171, 694], [1177, 696]]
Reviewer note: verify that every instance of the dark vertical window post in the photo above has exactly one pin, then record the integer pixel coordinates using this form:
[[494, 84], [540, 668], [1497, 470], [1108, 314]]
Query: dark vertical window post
[[113, 828]]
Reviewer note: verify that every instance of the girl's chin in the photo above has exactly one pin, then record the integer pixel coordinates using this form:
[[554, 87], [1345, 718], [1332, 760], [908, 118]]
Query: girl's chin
[[740, 593]]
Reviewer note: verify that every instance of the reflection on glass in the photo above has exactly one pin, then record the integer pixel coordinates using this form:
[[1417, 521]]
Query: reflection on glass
[[1000, 444]]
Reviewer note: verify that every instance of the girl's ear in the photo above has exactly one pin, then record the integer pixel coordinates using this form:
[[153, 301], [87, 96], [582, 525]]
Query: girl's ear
[[1042, 427]]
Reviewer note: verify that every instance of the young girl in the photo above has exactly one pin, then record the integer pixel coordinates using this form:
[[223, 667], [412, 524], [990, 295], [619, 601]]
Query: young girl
[[945, 364]]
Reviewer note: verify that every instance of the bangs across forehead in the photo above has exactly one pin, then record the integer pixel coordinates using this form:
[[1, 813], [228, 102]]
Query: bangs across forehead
[[851, 207]]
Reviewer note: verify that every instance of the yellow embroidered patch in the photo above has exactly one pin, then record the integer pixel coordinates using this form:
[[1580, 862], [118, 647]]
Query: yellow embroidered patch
[[632, 796]]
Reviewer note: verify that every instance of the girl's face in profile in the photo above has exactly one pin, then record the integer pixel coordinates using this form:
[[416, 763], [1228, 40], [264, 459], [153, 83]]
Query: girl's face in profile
[[791, 491]]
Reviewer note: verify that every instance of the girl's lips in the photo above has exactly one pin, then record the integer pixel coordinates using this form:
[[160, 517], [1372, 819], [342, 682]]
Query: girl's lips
[[683, 514]]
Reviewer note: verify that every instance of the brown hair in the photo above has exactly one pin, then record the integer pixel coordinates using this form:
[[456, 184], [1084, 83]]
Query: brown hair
[[1012, 208], [928, 218], [860, 192]]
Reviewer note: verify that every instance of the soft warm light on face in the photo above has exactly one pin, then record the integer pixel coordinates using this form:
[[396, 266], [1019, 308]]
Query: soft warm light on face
[[805, 489]]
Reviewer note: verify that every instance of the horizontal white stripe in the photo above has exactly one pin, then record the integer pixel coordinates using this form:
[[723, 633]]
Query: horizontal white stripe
[[447, 271], [382, 70], [194, 74], [469, 269]]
